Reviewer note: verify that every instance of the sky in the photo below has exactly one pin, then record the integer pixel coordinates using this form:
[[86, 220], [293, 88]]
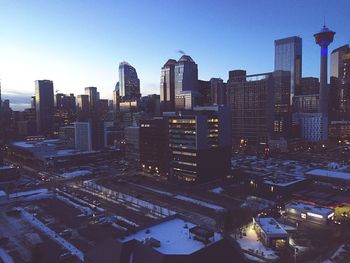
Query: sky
[[79, 43]]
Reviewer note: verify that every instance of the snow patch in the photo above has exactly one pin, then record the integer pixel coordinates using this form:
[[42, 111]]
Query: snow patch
[[199, 202]]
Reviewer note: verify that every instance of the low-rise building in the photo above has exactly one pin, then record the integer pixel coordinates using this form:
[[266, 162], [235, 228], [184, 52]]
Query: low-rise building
[[271, 233], [302, 211], [176, 240], [272, 185], [329, 176]]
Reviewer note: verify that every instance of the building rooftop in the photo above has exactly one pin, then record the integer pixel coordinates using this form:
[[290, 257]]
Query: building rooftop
[[174, 237], [329, 174], [186, 58], [31, 144], [319, 210], [282, 179], [270, 226]]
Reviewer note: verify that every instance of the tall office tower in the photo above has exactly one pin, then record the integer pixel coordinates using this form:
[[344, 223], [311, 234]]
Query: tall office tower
[[65, 110], [218, 91], [44, 100], [204, 89], [282, 120], [340, 94], [260, 106], [200, 144], [186, 75], [288, 57], [129, 83], [167, 86], [154, 145], [83, 103], [93, 96], [116, 98], [83, 136], [65, 102]]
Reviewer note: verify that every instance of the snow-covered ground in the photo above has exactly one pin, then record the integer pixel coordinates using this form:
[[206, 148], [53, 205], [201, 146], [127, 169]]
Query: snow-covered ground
[[199, 202], [125, 199], [156, 190], [76, 174], [30, 195], [126, 220], [4, 257], [53, 235], [251, 243], [74, 198]]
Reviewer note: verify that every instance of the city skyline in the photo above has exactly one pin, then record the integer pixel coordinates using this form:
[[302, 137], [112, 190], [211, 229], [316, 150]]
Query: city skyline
[[96, 46]]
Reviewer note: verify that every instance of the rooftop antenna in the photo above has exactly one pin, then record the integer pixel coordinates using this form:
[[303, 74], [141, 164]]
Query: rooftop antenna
[[324, 21]]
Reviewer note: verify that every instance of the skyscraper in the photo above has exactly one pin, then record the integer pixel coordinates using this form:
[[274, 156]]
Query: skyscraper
[[116, 98], [288, 57], [340, 93], [186, 84], [167, 86], [44, 99], [93, 96], [218, 91], [83, 103], [260, 106], [186, 75], [129, 83], [204, 89]]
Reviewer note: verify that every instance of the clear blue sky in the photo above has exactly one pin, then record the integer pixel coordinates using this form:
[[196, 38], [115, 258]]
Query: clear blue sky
[[78, 43]]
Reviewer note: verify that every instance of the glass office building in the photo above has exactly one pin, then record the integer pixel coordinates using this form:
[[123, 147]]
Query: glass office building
[[129, 83], [288, 57], [186, 75]]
